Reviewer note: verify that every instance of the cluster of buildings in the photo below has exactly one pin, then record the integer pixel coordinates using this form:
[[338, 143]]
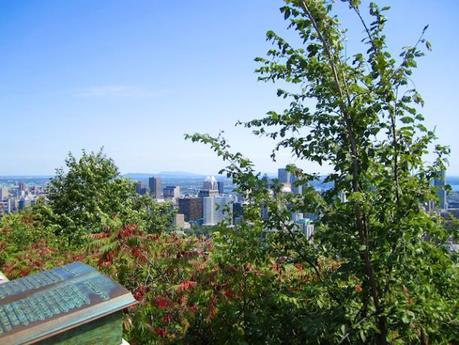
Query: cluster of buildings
[[210, 206], [16, 198], [443, 206]]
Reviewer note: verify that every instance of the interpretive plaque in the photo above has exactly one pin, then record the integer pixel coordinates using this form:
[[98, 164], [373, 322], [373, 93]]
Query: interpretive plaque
[[60, 305]]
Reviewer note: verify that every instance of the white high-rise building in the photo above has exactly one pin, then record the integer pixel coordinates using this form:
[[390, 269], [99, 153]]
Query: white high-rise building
[[216, 209], [12, 205], [307, 227], [439, 184], [4, 193]]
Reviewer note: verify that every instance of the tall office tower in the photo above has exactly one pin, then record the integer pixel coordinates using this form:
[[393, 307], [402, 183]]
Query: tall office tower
[[140, 188], [13, 205], [208, 210], [22, 186], [171, 192], [22, 204], [4, 193], [307, 227], [238, 211], [439, 184], [264, 212], [295, 189], [283, 175], [191, 208], [216, 209], [224, 205], [209, 187], [155, 187], [221, 187]]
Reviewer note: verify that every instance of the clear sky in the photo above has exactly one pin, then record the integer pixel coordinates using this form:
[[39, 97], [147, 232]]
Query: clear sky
[[134, 76]]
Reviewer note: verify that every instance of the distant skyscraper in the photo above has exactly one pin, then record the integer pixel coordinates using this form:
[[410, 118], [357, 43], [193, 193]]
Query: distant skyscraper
[[264, 212], [209, 187], [12, 205], [283, 175], [23, 203], [208, 210], [140, 188], [4, 193], [439, 184], [216, 209], [171, 192], [295, 189], [221, 187], [22, 186], [155, 187], [191, 208], [238, 212], [307, 227]]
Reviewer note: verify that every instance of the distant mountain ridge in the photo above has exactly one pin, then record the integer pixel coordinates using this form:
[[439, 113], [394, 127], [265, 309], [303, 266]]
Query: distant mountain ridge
[[166, 174]]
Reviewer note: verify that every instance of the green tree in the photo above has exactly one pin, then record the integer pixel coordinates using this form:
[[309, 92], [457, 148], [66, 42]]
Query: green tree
[[90, 196], [152, 216], [86, 197], [383, 271], [18, 231]]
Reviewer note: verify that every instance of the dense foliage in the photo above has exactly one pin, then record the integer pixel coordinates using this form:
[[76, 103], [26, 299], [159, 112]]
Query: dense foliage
[[90, 195], [359, 114], [190, 289]]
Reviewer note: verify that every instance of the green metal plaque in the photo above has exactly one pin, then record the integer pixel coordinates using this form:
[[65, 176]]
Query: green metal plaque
[[47, 304]]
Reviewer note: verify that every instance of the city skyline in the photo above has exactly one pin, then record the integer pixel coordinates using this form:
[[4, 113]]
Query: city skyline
[[135, 79]]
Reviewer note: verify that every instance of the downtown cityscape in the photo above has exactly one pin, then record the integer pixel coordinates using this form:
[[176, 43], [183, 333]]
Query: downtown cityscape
[[203, 201]]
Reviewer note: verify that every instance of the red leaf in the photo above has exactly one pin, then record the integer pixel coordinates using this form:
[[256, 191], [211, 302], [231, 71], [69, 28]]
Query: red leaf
[[186, 285]]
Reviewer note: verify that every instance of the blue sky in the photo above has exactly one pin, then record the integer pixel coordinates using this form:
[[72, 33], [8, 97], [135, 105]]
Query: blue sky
[[134, 76]]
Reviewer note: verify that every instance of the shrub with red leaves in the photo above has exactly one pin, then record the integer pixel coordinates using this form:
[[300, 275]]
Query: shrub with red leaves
[[166, 318], [137, 253], [139, 293], [187, 285], [229, 294], [162, 332], [162, 302]]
